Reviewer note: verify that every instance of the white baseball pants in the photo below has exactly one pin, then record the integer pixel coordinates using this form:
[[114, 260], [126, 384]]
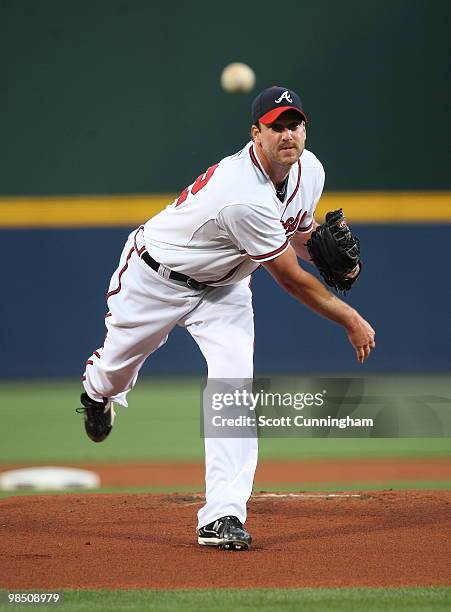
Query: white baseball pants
[[143, 309]]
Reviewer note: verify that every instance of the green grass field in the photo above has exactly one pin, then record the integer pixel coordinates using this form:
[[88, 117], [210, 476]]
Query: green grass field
[[266, 600], [39, 425]]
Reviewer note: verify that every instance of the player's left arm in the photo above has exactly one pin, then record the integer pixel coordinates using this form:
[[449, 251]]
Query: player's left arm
[[299, 240]]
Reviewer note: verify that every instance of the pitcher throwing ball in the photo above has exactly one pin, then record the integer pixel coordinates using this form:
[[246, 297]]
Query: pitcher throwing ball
[[190, 265]]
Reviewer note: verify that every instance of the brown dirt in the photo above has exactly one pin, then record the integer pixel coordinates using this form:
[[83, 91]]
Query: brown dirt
[[383, 538], [377, 471]]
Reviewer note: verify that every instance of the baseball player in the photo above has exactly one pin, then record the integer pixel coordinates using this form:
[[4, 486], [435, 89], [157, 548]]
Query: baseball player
[[190, 265]]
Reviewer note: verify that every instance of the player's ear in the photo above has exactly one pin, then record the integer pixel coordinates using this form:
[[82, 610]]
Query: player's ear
[[255, 129]]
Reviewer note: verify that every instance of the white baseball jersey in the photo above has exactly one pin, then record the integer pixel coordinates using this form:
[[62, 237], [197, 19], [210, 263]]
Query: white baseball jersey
[[230, 220]]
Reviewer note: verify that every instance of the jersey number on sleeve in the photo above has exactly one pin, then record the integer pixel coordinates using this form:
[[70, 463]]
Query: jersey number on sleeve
[[199, 184]]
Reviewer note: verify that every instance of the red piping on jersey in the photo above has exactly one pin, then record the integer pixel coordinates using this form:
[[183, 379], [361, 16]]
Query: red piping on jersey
[[108, 295], [305, 229], [297, 184], [90, 362], [254, 160], [272, 254], [138, 251], [143, 248], [96, 354]]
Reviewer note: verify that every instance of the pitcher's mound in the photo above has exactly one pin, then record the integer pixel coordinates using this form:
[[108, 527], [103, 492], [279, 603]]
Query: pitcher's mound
[[377, 538]]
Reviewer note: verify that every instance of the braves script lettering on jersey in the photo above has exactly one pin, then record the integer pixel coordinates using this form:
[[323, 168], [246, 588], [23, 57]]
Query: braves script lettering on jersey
[[220, 233]]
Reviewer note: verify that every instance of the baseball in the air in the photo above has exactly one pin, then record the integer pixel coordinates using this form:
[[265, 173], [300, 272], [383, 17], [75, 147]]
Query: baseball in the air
[[238, 78]]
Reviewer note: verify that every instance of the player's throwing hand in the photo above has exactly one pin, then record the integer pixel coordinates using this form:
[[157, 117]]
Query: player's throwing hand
[[361, 336]]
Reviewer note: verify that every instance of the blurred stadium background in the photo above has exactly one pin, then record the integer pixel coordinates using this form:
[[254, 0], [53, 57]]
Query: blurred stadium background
[[108, 109]]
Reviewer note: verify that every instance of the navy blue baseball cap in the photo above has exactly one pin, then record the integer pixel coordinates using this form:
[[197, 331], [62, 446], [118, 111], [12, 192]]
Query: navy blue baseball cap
[[272, 102]]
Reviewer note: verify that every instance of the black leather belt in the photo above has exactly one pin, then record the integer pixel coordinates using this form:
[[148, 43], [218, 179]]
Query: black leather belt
[[177, 276]]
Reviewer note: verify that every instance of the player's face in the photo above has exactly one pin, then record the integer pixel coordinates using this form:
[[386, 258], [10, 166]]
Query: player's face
[[283, 141]]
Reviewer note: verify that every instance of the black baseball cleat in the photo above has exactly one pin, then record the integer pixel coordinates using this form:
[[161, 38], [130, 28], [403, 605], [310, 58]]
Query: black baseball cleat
[[226, 532], [99, 417]]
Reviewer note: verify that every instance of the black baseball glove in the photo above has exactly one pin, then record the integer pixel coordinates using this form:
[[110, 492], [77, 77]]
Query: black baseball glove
[[335, 251]]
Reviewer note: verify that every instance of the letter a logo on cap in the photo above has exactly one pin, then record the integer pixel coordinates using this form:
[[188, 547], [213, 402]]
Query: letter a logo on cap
[[285, 96]]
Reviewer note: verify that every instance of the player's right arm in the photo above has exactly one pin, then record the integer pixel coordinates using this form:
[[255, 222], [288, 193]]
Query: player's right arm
[[310, 291]]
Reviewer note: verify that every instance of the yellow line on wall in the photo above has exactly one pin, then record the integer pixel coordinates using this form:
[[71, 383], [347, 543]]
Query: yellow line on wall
[[131, 210], [80, 211], [390, 206]]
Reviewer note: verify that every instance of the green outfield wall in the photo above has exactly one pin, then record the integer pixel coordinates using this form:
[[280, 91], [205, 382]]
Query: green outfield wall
[[115, 97]]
